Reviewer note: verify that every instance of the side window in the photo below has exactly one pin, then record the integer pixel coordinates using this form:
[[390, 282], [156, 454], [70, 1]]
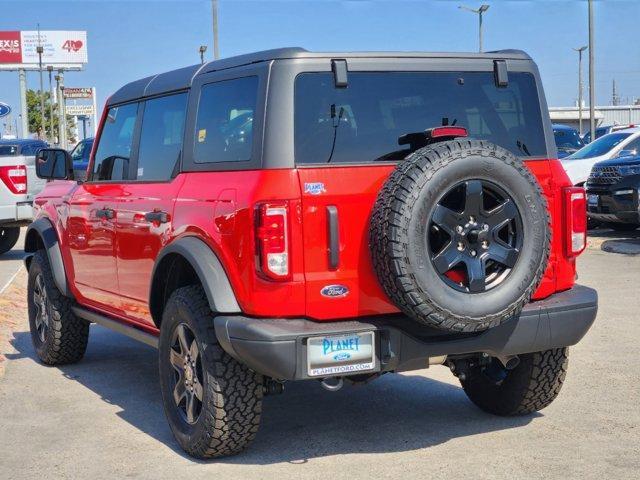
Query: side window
[[77, 153], [633, 145], [114, 150], [161, 137], [87, 150], [224, 126]]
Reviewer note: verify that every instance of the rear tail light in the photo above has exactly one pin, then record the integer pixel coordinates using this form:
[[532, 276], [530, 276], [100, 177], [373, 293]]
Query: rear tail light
[[272, 240], [15, 178], [576, 220]]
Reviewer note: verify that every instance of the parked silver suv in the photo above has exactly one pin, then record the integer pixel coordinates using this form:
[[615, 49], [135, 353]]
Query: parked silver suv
[[18, 185]]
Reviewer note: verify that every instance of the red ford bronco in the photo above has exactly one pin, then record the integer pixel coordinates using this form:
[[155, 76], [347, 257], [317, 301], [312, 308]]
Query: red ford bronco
[[289, 215]]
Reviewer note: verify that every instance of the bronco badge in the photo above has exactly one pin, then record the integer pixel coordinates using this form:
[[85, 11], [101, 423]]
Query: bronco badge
[[334, 291]]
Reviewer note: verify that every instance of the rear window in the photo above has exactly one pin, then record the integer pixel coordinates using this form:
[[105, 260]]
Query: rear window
[[8, 150], [363, 122]]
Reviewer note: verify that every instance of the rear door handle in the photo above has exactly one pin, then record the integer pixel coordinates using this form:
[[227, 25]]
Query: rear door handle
[[334, 237], [156, 217], [106, 213]]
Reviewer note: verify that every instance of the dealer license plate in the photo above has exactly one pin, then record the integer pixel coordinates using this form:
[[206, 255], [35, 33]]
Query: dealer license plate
[[340, 354], [592, 199]]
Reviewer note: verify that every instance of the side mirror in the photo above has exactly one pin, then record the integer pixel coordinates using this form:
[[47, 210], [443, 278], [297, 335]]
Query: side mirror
[[627, 153], [54, 164]]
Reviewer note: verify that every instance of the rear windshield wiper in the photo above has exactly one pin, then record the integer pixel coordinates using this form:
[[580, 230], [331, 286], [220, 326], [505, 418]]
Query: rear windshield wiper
[[523, 148]]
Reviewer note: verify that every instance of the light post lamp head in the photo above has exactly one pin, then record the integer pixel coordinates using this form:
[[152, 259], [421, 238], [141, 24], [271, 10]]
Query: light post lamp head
[[202, 49], [483, 8]]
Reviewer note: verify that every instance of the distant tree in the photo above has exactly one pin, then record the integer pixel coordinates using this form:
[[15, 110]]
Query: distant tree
[[35, 117]]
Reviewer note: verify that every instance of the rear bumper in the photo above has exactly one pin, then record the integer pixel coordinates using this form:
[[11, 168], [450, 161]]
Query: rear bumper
[[17, 214], [277, 347]]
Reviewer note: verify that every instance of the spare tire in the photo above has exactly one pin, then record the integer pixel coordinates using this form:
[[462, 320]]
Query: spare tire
[[460, 235]]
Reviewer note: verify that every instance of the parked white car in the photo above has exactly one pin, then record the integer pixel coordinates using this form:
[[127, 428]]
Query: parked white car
[[18, 185], [617, 144]]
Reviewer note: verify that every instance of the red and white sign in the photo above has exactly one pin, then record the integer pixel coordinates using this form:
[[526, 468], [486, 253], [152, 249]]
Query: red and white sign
[[58, 47], [10, 47]]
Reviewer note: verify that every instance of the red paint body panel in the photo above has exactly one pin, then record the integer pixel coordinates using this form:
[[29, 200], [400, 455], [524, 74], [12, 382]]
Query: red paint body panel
[[353, 190], [139, 241], [219, 208]]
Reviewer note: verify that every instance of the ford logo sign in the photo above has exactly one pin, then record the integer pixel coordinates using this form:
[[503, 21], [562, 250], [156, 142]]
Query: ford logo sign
[[341, 356], [334, 291], [4, 109]]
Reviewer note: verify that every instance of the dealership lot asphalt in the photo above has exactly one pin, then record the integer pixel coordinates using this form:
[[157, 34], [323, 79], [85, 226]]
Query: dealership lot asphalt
[[102, 418]]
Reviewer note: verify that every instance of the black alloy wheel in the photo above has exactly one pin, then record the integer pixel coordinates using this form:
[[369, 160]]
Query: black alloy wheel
[[43, 310], [475, 236], [184, 356]]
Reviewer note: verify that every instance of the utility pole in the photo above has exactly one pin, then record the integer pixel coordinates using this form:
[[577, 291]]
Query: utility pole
[[214, 8], [592, 94], [580, 50], [40, 51], [50, 70], [479, 12]]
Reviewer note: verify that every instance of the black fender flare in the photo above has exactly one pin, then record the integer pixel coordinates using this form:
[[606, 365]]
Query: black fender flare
[[207, 267], [44, 229]]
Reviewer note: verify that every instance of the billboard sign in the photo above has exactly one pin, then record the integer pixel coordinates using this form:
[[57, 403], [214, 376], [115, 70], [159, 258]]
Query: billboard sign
[[60, 48], [77, 92], [4, 109], [10, 47], [79, 110]]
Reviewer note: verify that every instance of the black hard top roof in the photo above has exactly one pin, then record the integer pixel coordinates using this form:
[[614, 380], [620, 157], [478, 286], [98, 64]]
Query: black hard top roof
[[182, 78]]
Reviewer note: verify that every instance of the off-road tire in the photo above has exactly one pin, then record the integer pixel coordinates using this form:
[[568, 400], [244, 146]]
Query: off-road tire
[[232, 393], [67, 335], [528, 388], [407, 200], [8, 238]]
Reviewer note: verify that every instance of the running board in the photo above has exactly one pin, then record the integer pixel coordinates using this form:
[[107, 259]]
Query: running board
[[117, 326]]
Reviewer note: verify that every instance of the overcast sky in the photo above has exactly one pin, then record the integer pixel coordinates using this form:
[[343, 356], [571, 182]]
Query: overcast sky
[[130, 40]]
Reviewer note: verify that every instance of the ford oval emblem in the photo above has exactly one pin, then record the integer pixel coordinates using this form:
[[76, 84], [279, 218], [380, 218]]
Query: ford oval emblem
[[341, 356], [334, 291], [4, 109]]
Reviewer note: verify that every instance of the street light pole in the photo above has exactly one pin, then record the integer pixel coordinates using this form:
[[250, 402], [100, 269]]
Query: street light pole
[[592, 94], [580, 50], [479, 12], [50, 70], [40, 51], [214, 8]]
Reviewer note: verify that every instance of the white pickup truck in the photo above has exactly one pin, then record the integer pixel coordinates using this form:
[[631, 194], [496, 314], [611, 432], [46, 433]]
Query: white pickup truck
[[18, 185]]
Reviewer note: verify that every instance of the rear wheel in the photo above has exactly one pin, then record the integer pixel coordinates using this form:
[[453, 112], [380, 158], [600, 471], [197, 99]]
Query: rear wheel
[[531, 386], [8, 238], [212, 402]]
